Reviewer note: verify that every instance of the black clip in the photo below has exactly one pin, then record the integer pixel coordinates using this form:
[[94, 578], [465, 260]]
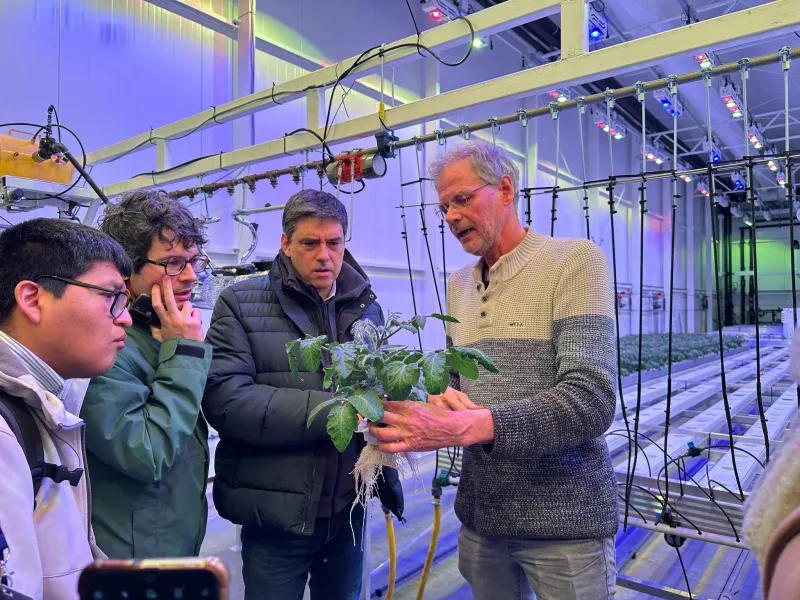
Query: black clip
[[59, 473]]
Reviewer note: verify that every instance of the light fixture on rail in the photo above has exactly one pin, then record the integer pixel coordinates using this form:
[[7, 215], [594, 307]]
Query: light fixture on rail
[[478, 42], [615, 129], [713, 150], [672, 105], [683, 167], [773, 166], [736, 211], [738, 180], [748, 222], [598, 24], [561, 94], [730, 96], [703, 189], [706, 60], [722, 200], [780, 176], [767, 215], [755, 136], [654, 154], [442, 10], [618, 131]]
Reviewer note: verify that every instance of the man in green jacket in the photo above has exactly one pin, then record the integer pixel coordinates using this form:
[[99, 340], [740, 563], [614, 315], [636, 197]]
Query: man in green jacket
[[146, 439]]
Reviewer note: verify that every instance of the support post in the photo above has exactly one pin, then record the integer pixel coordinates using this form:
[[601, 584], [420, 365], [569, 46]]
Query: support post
[[688, 261], [709, 271], [531, 160], [574, 40], [163, 155]]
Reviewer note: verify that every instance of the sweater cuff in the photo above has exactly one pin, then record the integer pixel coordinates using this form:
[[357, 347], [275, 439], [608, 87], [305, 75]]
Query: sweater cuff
[[510, 433]]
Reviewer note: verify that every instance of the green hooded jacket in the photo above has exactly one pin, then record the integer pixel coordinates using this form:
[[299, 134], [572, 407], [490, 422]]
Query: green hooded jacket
[[147, 448]]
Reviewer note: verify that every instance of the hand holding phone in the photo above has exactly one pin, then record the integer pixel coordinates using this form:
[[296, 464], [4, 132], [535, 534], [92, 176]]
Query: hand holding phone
[[184, 323]]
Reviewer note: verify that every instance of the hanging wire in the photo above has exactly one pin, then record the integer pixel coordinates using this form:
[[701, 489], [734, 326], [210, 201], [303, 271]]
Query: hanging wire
[[553, 216], [581, 103], [609, 99], [785, 55], [673, 90], [418, 160], [642, 211], [714, 242], [404, 234], [744, 67]]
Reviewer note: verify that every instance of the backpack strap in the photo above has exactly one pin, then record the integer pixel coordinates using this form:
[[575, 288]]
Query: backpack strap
[[23, 425]]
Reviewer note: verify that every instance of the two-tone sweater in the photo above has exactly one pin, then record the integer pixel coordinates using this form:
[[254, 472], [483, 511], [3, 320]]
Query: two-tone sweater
[[546, 320]]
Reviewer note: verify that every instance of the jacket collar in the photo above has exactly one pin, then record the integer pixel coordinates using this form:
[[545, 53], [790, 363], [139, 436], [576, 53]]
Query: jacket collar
[[350, 284], [16, 380]]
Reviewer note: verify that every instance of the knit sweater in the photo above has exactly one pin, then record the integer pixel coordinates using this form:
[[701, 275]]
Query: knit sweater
[[546, 320]]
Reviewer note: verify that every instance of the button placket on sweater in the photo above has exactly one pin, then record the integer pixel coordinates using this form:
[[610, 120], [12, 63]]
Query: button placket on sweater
[[485, 306]]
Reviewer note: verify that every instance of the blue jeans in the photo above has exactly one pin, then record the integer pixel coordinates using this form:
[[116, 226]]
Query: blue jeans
[[514, 569], [276, 564]]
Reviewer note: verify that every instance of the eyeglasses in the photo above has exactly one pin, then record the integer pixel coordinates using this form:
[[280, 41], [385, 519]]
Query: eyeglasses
[[458, 202], [119, 298], [176, 264]]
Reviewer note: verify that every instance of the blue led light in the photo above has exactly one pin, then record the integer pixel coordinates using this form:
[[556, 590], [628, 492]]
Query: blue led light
[[595, 33], [665, 104]]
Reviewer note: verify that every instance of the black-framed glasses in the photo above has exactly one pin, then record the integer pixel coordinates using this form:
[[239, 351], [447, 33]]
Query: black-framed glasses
[[176, 264], [119, 298], [458, 202]]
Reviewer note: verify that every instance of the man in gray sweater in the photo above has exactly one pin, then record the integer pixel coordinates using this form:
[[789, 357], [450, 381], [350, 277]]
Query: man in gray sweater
[[537, 498]]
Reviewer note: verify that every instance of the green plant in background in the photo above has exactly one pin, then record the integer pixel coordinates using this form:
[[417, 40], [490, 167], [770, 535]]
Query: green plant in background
[[364, 371], [685, 346]]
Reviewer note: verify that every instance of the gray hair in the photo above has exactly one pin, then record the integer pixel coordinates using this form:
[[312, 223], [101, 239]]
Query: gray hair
[[489, 161], [312, 203]]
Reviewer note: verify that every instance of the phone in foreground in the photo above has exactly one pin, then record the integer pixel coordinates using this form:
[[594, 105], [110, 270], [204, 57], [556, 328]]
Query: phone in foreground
[[155, 579], [142, 310]]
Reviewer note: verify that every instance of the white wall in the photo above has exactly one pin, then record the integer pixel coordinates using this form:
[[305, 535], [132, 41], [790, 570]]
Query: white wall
[[115, 68]]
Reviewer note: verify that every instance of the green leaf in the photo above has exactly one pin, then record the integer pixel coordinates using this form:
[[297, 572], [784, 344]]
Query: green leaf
[[397, 379], [446, 318], [463, 365], [329, 373], [413, 357], [342, 422], [435, 371], [293, 357], [343, 358], [319, 407], [368, 403], [476, 354], [419, 321], [418, 394], [409, 327], [311, 352]]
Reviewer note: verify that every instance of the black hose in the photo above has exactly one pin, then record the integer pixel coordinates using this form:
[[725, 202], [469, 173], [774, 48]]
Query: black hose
[[714, 244], [669, 343], [754, 254]]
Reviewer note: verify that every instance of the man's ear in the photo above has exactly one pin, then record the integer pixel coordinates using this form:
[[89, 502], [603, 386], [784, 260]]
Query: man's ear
[[285, 245], [507, 189], [28, 296]]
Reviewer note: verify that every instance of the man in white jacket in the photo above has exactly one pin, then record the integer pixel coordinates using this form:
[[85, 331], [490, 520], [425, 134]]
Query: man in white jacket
[[63, 311]]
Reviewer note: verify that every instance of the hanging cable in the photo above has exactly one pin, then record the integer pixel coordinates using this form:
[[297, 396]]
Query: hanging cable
[[404, 233], [640, 95], [714, 243], [527, 194], [785, 55], [744, 68], [582, 111], [609, 99], [673, 91], [424, 227], [553, 216]]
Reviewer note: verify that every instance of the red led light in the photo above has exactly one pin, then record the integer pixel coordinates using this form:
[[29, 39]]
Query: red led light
[[554, 94], [436, 14], [727, 99], [701, 57], [613, 132], [733, 109], [601, 124]]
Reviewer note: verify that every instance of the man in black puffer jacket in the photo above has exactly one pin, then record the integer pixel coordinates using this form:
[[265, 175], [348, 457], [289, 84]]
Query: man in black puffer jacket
[[285, 483]]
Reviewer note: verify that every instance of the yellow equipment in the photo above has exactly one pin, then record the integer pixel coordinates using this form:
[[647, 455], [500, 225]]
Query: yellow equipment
[[17, 160]]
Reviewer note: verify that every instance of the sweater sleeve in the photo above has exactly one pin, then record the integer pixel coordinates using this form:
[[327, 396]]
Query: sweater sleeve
[[581, 405]]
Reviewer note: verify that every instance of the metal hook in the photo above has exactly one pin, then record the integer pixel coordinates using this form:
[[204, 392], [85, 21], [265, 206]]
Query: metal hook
[[523, 116], [438, 133], [609, 98], [495, 128], [639, 87], [554, 111], [417, 143], [464, 131]]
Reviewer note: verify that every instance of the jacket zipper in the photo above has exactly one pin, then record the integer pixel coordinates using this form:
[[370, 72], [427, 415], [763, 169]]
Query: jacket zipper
[[313, 483], [86, 484]]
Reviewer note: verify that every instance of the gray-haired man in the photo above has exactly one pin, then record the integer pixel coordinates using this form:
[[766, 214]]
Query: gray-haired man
[[537, 497], [286, 483]]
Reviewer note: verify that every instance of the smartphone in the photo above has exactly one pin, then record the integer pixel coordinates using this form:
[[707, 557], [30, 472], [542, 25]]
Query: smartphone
[[155, 579], [142, 311]]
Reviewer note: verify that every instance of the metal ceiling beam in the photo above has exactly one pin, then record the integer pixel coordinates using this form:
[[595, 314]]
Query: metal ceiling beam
[[771, 19], [495, 19], [206, 18]]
